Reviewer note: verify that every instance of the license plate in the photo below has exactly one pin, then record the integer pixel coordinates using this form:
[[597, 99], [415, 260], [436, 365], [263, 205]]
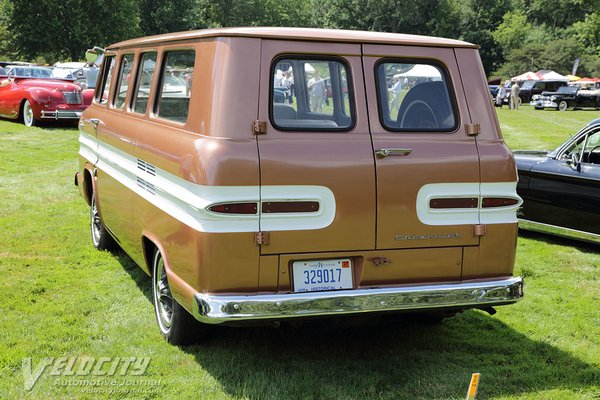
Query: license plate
[[319, 275]]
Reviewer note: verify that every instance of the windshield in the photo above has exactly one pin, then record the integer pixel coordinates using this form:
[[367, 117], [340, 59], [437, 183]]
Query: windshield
[[528, 85], [29, 72]]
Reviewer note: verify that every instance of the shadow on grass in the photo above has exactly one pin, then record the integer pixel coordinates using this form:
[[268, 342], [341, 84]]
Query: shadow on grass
[[584, 247], [395, 359], [401, 360]]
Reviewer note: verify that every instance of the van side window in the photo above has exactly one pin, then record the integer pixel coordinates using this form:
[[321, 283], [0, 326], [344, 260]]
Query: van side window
[[311, 94], [143, 82], [107, 71], [415, 97], [124, 80], [176, 85]]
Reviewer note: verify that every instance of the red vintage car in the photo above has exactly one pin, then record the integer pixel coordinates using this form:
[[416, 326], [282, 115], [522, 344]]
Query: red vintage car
[[32, 94]]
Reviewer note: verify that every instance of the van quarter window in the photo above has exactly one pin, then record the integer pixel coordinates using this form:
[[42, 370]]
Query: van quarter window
[[102, 95], [144, 79], [414, 97], [124, 80], [176, 85], [311, 94]]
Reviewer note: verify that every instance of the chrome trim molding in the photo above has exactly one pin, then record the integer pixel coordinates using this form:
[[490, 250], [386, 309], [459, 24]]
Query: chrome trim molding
[[216, 309], [558, 231], [61, 114]]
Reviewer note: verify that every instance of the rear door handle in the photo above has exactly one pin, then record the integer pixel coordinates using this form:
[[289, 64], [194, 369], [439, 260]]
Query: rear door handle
[[382, 153]]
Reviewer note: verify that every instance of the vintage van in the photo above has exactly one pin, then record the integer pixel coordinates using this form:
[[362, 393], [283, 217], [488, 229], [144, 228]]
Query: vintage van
[[267, 174]]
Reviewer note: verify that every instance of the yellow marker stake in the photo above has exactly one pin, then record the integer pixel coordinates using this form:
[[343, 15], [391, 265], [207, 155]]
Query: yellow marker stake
[[473, 386]]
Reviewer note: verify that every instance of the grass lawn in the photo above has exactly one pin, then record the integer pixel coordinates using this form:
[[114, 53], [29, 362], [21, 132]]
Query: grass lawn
[[61, 298]]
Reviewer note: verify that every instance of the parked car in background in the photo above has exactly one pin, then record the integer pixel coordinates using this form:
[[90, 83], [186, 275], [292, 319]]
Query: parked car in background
[[561, 188], [32, 95], [567, 97], [494, 90], [72, 70], [530, 88]]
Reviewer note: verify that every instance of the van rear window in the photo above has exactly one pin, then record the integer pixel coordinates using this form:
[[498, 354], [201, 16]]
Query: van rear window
[[311, 94], [415, 96], [176, 85]]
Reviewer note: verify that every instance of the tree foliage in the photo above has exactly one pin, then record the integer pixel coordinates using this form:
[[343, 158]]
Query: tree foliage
[[66, 28], [513, 35]]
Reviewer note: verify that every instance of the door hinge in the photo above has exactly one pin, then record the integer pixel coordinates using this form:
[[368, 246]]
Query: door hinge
[[259, 127], [262, 238], [473, 129], [479, 230]]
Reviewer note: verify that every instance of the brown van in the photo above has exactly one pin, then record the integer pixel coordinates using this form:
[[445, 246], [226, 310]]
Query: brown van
[[263, 174]]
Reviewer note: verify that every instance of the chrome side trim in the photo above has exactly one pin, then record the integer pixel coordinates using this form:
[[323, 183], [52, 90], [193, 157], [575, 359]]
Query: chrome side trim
[[216, 309], [559, 231]]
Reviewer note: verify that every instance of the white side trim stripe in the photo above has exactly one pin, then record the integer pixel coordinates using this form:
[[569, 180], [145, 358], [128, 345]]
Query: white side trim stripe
[[189, 203]]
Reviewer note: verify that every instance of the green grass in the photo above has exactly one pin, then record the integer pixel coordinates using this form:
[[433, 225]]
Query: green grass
[[61, 298]]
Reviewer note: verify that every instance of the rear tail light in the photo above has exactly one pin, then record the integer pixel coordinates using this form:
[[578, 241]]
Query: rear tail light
[[234, 208], [451, 202], [489, 202]]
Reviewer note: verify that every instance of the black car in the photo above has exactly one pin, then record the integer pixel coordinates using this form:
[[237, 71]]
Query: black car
[[530, 88], [561, 188], [567, 97]]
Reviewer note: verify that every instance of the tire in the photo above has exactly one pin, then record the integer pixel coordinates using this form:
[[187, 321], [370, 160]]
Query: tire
[[27, 114], [176, 325], [562, 106], [101, 239]]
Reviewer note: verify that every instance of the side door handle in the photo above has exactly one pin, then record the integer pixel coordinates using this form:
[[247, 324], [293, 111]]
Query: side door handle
[[383, 153], [94, 122]]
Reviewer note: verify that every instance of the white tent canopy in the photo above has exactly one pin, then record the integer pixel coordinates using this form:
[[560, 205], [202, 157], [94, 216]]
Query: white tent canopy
[[527, 76], [421, 71], [552, 76]]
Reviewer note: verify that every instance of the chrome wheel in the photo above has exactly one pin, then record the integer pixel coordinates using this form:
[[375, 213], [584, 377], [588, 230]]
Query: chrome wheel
[[101, 239], [163, 299], [95, 223], [28, 118]]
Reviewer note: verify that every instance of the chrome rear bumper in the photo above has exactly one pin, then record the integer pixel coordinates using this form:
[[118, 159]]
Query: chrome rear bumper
[[215, 309]]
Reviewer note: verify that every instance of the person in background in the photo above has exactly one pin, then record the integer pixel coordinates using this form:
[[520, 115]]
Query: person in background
[[501, 95], [317, 90], [395, 93], [514, 96]]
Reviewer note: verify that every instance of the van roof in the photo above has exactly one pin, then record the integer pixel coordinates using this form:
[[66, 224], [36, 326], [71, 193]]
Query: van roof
[[310, 34]]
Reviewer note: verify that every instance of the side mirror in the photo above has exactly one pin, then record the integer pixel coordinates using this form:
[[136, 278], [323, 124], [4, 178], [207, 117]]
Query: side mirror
[[91, 56]]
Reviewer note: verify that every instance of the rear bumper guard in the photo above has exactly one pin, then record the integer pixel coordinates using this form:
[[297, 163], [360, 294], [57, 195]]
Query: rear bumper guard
[[216, 309]]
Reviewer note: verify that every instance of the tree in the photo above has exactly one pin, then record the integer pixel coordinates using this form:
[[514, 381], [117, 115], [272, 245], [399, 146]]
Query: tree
[[513, 31], [557, 14], [66, 28], [167, 16], [226, 13], [424, 17], [5, 37], [476, 21]]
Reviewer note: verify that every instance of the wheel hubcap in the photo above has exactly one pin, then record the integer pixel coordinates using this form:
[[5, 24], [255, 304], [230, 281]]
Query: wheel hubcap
[[28, 114], [162, 295], [95, 222]]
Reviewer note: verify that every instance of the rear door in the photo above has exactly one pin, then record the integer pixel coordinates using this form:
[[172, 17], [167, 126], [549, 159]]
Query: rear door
[[427, 166], [316, 160]]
